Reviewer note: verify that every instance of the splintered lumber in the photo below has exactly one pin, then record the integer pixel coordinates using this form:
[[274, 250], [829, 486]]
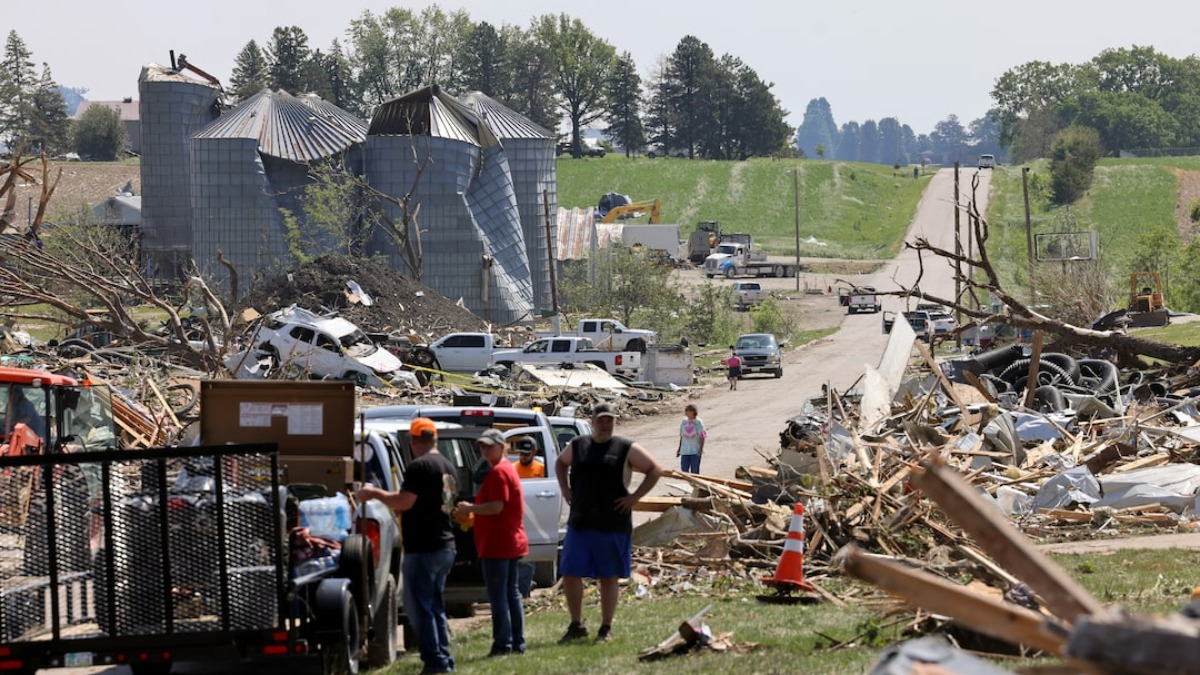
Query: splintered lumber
[[998, 619], [744, 486], [941, 378], [994, 533], [653, 504], [1035, 360]]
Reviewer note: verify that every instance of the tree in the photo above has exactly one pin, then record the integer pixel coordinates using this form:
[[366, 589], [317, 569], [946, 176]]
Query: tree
[[625, 102], [849, 143], [251, 74], [581, 67], [1073, 157], [620, 281], [950, 139], [531, 77], [49, 127], [690, 73], [818, 129], [1030, 87], [484, 68], [868, 142], [659, 122], [288, 57], [335, 218], [18, 80], [339, 80], [99, 134], [757, 125], [1122, 119]]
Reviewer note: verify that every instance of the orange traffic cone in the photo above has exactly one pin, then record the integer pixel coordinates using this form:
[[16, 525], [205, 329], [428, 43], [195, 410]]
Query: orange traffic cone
[[789, 573]]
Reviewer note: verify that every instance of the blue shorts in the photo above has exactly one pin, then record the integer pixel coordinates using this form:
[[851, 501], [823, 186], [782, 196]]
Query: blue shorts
[[594, 554]]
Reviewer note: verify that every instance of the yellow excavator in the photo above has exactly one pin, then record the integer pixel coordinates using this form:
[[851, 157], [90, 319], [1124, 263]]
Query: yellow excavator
[[633, 210]]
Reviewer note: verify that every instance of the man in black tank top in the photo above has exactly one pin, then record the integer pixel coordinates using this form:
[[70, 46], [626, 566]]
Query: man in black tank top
[[593, 473]]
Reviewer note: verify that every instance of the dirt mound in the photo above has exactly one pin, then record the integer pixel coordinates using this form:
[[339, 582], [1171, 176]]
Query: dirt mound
[[398, 303]]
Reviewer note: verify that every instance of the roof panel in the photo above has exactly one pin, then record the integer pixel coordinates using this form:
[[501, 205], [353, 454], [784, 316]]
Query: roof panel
[[301, 129]]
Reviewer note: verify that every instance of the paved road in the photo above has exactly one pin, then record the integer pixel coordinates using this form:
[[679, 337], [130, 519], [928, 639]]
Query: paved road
[[744, 425]]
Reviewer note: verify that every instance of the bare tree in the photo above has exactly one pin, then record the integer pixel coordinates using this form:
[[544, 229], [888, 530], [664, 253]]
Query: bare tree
[[979, 278]]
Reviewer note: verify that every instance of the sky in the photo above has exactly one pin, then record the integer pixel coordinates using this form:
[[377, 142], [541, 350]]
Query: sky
[[918, 61]]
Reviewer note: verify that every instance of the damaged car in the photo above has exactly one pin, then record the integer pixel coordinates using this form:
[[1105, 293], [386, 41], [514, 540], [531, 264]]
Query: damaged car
[[295, 342]]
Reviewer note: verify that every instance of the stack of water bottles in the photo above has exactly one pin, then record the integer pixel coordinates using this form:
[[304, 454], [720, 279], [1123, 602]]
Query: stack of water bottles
[[325, 518]]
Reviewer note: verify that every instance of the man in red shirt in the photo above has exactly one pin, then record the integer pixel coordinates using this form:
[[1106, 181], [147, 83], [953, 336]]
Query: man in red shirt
[[500, 540]]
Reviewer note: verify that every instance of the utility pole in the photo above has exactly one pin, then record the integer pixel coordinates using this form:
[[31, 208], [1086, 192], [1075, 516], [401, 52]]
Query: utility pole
[[1028, 229], [796, 199], [958, 269], [550, 255]]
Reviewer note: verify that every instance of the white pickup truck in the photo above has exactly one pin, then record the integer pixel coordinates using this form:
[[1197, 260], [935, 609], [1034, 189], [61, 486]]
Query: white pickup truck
[[746, 294], [464, 352], [570, 349], [611, 335]]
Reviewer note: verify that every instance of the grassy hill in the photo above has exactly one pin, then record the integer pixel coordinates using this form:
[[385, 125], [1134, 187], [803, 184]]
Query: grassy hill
[[857, 210]]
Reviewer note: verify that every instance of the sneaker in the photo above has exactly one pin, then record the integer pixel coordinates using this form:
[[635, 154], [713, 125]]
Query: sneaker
[[575, 631], [604, 634]]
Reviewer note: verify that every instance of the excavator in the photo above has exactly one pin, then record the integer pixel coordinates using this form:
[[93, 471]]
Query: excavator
[[614, 207]]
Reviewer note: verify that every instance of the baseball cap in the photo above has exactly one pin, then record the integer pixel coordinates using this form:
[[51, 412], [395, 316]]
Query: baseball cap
[[422, 427], [604, 410], [492, 437], [525, 446]]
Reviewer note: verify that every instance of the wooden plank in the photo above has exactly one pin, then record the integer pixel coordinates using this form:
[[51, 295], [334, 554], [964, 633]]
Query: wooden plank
[[946, 385], [998, 619], [1035, 361], [970, 377], [994, 533], [653, 504], [1144, 462], [744, 486]]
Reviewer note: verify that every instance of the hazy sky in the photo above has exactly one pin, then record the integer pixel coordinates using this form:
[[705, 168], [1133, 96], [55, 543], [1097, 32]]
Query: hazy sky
[[920, 61]]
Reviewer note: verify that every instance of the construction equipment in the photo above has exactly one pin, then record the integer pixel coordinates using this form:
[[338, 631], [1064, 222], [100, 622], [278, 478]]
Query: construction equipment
[[629, 210], [1146, 306], [703, 240]]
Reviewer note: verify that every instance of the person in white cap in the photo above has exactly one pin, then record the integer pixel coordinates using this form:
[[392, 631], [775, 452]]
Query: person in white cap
[[593, 473]]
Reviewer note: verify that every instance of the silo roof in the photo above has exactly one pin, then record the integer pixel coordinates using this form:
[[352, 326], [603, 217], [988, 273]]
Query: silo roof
[[299, 129], [152, 72], [430, 112], [504, 121]]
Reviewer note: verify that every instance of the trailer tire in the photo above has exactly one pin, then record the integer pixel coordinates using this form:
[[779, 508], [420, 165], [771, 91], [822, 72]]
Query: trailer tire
[[381, 650], [730, 272], [778, 271]]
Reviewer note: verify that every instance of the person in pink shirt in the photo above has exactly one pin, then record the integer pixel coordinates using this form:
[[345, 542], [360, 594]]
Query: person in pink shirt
[[734, 363]]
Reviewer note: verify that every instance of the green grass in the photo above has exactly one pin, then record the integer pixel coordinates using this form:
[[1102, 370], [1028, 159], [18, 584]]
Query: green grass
[[860, 210], [788, 638], [1184, 334], [1129, 200]]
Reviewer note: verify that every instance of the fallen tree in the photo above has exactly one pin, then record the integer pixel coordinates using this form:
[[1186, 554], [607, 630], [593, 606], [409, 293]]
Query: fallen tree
[[978, 278]]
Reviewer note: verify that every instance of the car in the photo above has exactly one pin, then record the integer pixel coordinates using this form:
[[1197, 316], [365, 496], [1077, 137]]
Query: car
[[987, 161], [922, 324], [567, 428], [301, 341], [760, 353], [943, 321]]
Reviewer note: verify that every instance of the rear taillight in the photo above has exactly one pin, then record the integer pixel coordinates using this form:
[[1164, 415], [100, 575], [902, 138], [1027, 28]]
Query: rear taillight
[[370, 528], [618, 359]]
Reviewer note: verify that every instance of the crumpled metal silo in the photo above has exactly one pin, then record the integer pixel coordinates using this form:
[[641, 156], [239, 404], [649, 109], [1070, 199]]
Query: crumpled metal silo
[[253, 161], [472, 241], [533, 163], [172, 106]]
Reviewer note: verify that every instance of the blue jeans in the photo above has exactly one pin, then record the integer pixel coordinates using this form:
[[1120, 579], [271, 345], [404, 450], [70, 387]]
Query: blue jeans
[[689, 463], [525, 572], [424, 580], [508, 614]]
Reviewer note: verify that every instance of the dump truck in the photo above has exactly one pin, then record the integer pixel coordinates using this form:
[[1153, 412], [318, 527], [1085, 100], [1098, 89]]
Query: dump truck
[[203, 553]]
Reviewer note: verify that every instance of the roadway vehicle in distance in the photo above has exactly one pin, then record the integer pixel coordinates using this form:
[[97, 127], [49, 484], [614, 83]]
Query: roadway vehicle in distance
[[987, 161], [760, 353], [746, 294], [569, 349]]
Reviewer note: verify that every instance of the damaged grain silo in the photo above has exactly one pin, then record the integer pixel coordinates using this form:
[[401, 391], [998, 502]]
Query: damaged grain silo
[[254, 161], [172, 106], [472, 242], [533, 163]]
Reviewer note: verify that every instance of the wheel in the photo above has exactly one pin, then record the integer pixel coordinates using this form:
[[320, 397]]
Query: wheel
[[778, 271], [381, 650], [638, 345], [460, 610], [851, 310], [355, 565], [150, 668], [779, 372], [730, 272], [710, 275], [182, 397], [423, 356], [506, 364], [340, 658], [651, 154], [545, 573]]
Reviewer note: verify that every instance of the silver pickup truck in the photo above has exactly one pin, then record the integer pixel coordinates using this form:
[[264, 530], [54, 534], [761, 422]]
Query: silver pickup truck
[[746, 294]]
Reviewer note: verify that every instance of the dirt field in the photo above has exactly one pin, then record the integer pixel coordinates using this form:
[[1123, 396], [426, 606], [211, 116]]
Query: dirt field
[[80, 185]]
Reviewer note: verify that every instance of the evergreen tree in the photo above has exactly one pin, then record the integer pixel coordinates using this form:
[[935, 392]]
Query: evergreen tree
[[49, 128], [288, 57], [18, 81], [531, 78], [1073, 157], [868, 142], [659, 118], [251, 74], [890, 150], [624, 113], [849, 143], [690, 74], [338, 77], [818, 128], [484, 68]]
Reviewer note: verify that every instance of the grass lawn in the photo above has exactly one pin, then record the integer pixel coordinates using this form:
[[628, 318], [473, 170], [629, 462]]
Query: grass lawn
[[859, 210], [788, 638]]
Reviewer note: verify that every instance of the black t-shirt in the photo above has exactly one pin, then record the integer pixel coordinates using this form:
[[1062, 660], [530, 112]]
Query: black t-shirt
[[426, 527], [597, 481]]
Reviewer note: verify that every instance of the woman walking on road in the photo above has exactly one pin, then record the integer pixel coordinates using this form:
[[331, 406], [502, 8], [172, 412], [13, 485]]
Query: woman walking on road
[[734, 363], [691, 441]]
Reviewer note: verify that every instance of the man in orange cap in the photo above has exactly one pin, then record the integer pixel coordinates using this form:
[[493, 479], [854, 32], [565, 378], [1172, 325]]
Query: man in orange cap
[[429, 494]]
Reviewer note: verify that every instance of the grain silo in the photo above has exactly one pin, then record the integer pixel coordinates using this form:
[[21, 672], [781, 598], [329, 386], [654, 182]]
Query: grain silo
[[472, 242], [254, 161], [533, 163], [172, 107]]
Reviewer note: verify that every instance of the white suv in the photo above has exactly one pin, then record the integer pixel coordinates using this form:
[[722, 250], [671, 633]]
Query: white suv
[[987, 161], [300, 341]]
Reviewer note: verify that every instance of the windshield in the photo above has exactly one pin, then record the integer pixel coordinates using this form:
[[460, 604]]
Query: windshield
[[728, 249], [756, 342]]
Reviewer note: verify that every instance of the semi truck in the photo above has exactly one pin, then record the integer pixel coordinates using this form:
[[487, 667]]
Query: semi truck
[[739, 259]]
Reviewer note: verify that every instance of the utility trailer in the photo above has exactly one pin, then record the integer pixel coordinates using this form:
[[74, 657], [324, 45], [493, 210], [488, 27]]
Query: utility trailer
[[191, 562]]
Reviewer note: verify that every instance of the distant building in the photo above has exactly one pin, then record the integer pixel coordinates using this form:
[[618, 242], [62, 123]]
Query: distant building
[[130, 116]]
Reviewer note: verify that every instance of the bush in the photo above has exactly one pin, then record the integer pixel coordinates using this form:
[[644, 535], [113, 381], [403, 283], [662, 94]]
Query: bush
[[1073, 157], [769, 317], [99, 134]]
